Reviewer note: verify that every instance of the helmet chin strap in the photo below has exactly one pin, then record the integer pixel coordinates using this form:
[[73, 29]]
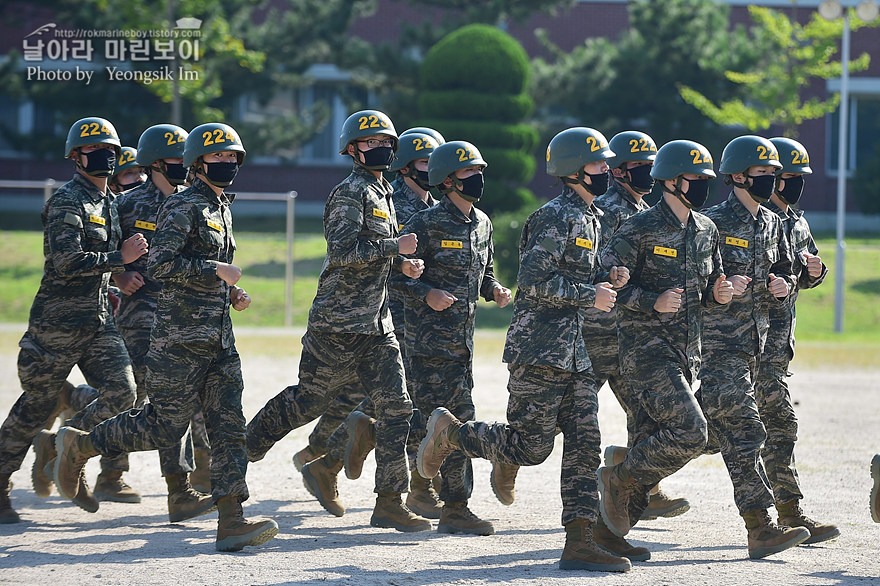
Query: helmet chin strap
[[677, 192], [581, 174]]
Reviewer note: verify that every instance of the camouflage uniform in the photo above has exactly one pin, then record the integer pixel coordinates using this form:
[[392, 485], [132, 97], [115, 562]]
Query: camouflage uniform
[[192, 361], [733, 338], [660, 352], [71, 323], [457, 251], [771, 390], [350, 330], [551, 383]]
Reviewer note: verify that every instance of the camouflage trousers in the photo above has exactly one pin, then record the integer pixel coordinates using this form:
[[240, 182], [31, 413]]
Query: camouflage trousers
[[349, 399], [46, 358], [603, 352], [777, 413], [181, 379], [727, 397], [542, 398], [324, 367]]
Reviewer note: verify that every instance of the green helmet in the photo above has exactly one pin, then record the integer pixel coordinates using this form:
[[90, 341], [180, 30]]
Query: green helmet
[[414, 145], [425, 130], [213, 137], [365, 123], [631, 145], [792, 155], [162, 141], [127, 160], [747, 151], [450, 157], [91, 130], [573, 148], [680, 157]]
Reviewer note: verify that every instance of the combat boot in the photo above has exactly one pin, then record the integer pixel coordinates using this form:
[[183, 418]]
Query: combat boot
[[7, 513], [44, 451], [422, 498], [319, 477], [85, 498], [791, 515], [767, 538], [615, 489], [200, 478], [111, 487], [458, 518], [875, 490], [661, 505], [391, 513], [604, 538], [235, 532], [440, 441], [503, 481], [74, 448], [303, 457], [361, 441], [184, 502], [582, 553]]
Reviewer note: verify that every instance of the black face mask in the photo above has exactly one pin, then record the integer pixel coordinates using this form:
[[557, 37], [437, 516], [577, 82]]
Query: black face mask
[[599, 183], [175, 173], [100, 163], [697, 193], [378, 159], [221, 174], [792, 191], [127, 186], [761, 187], [471, 187], [640, 178], [421, 179]]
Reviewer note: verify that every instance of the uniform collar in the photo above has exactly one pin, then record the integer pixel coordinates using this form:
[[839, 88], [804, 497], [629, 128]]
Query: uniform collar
[[94, 193], [205, 191], [576, 199], [456, 213], [777, 210], [365, 174], [407, 191], [622, 193], [741, 211]]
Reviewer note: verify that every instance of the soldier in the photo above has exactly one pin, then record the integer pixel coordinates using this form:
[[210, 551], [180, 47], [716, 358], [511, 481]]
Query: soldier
[[676, 270], [192, 359], [551, 384], [755, 249], [128, 174], [771, 390], [70, 322], [350, 327]]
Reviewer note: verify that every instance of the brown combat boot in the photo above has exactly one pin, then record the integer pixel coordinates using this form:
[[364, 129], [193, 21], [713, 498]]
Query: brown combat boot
[[503, 482], [319, 477], [361, 441], [440, 441], [74, 448], [791, 515], [582, 553], [183, 501], [422, 499], [604, 538], [875, 490], [391, 513], [85, 498], [235, 532], [303, 457], [616, 487], [767, 538], [661, 505], [7, 513], [458, 518], [111, 487], [44, 451], [200, 478]]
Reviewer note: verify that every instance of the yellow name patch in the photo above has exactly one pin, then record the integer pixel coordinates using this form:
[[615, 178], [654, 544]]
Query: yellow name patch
[[97, 220], [663, 251], [450, 244], [736, 242], [215, 225], [399, 227], [380, 213], [145, 225], [584, 243]]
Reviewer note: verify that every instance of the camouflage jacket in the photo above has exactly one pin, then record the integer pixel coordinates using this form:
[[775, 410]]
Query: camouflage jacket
[[81, 238], [780, 338], [360, 227], [558, 269], [138, 211], [617, 207], [662, 254], [754, 247], [193, 234], [457, 251]]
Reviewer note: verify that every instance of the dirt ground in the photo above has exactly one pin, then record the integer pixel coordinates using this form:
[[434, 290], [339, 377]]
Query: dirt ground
[[839, 412]]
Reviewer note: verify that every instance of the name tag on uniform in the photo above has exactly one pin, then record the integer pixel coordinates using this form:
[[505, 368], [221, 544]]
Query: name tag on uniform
[[450, 244], [97, 220], [736, 242], [215, 226], [145, 225], [399, 227], [380, 213], [663, 251], [584, 243]]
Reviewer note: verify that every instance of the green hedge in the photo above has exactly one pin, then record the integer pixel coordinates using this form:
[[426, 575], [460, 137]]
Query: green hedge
[[499, 198], [470, 105], [509, 166], [485, 135]]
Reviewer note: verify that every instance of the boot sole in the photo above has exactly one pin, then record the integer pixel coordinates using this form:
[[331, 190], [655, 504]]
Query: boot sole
[[453, 530], [425, 443], [822, 538], [602, 501], [796, 539], [178, 517], [503, 499], [59, 450], [311, 485], [641, 557], [41, 481], [667, 513], [109, 497], [581, 565], [608, 455], [875, 474], [433, 513], [256, 537], [385, 523]]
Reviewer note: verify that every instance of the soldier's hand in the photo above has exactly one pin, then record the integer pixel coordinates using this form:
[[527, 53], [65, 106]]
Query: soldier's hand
[[412, 267], [133, 248], [502, 296], [740, 282], [438, 299], [129, 281], [240, 299], [407, 243], [606, 297], [619, 276], [778, 286], [669, 301], [114, 300], [229, 273], [814, 264], [723, 289]]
